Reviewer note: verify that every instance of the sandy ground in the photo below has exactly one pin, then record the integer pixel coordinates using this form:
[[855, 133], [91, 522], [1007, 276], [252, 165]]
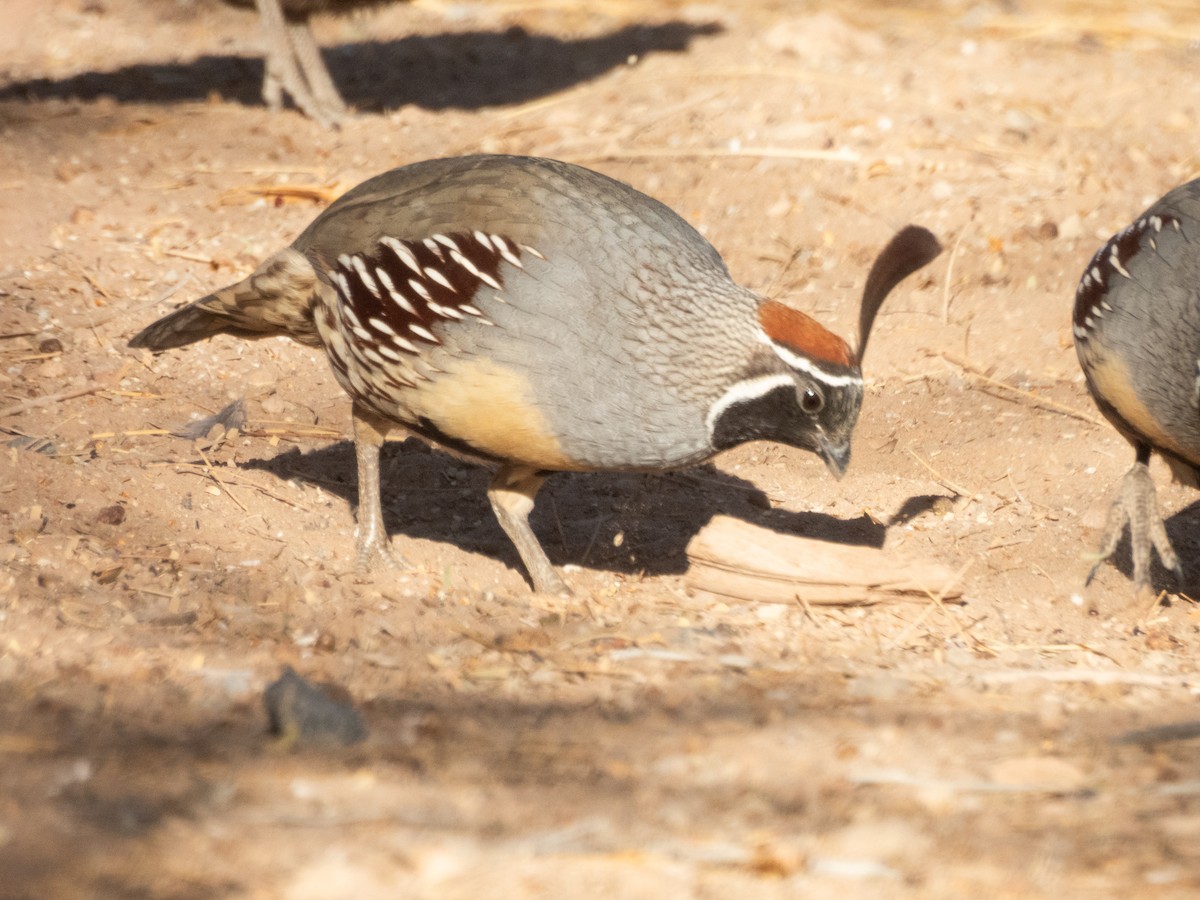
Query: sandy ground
[[635, 740]]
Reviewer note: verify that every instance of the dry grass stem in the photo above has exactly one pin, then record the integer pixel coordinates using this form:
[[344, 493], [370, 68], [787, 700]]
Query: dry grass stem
[[949, 280], [1018, 395], [942, 479], [223, 486], [49, 399]]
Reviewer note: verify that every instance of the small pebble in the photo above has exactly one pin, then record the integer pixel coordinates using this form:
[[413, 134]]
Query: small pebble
[[302, 714]]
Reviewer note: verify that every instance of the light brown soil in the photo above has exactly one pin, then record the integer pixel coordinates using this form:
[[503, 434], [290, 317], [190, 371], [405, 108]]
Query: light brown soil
[[634, 740]]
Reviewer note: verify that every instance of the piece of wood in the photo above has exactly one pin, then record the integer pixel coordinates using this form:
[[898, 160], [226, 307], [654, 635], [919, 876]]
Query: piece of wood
[[730, 558]]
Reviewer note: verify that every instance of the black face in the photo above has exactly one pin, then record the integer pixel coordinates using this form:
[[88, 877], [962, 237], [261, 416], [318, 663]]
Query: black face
[[797, 410]]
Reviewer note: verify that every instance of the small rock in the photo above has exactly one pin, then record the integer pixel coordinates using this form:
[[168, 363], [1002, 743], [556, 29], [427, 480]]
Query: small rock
[[273, 405], [1071, 228], [302, 714], [111, 515]]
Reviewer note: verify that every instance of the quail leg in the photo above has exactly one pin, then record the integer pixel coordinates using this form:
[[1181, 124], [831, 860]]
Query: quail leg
[[374, 551], [286, 67], [1137, 504], [316, 75], [511, 493]]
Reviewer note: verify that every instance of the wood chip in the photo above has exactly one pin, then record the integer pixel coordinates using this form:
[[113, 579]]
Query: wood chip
[[730, 558]]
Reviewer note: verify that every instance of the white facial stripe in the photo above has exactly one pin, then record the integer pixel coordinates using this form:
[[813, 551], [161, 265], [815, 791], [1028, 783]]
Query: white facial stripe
[[807, 366], [746, 390]]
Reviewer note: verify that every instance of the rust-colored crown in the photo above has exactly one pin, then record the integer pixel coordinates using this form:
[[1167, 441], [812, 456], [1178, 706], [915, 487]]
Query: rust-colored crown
[[805, 335]]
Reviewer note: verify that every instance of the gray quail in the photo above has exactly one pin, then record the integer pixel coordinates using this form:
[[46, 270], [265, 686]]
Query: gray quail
[[1137, 334], [293, 62], [543, 317]]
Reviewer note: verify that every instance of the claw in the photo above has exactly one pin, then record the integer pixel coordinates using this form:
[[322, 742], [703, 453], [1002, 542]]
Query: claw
[[375, 554], [1136, 503]]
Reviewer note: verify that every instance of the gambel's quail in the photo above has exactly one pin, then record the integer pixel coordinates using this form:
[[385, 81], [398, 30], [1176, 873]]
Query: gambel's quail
[[1137, 333], [544, 317], [292, 58]]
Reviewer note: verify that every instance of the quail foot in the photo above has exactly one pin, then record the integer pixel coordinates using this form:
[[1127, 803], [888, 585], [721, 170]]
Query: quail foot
[[1137, 334], [293, 64], [542, 317]]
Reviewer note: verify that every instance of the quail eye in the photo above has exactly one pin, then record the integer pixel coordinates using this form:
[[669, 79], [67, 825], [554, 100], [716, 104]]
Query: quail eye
[[811, 401]]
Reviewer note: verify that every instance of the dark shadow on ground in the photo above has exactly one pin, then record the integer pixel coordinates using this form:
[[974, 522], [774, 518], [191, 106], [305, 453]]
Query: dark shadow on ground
[[457, 70], [433, 495], [1183, 530], [114, 783]]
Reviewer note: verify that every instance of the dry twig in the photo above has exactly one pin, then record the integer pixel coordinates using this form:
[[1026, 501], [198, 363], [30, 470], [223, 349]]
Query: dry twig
[[49, 399], [942, 479], [1028, 397]]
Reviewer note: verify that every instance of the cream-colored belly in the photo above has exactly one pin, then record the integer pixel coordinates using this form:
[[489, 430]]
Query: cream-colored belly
[[1111, 380], [492, 409]]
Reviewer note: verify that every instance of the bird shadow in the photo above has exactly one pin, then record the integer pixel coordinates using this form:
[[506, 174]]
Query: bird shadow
[[622, 522], [1183, 531], [465, 70]]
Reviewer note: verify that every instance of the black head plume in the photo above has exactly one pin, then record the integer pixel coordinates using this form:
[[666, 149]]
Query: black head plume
[[911, 248]]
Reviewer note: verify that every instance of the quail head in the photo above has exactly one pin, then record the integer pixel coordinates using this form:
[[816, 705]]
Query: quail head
[[1137, 334], [543, 317]]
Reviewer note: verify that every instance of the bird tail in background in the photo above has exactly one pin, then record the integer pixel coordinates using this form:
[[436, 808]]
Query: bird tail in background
[[276, 299]]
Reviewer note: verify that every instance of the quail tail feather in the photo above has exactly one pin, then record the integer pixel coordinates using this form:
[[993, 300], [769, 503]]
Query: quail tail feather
[[276, 299]]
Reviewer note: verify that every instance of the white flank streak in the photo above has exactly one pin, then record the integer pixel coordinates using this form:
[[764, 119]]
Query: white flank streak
[[1097, 274], [420, 289], [446, 312], [446, 242], [807, 366], [403, 253], [380, 325], [385, 350], [532, 251], [402, 301], [1116, 263], [365, 277], [406, 344], [484, 240], [361, 333], [471, 310], [342, 284], [474, 270], [435, 275], [422, 331], [385, 279], [506, 251], [743, 391], [349, 315], [374, 357], [434, 247]]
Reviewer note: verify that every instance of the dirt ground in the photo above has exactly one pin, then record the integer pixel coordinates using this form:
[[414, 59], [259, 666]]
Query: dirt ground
[[636, 740]]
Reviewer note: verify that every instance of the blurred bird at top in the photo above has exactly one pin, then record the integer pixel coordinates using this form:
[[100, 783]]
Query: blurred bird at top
[[293, 62]]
